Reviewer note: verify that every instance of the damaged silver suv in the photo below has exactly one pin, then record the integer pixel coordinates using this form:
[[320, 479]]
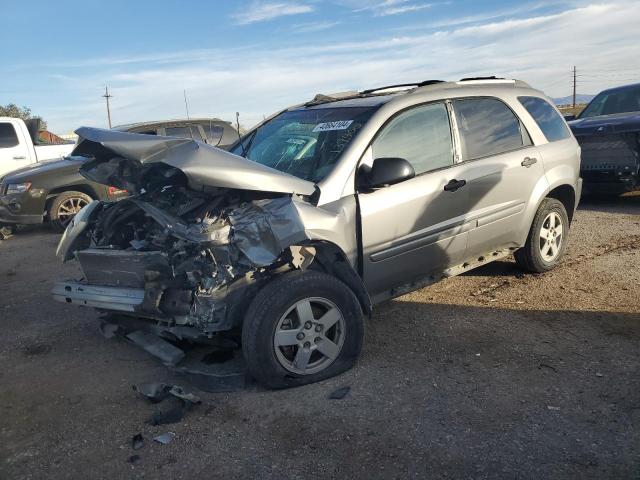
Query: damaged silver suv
[[321, 211]]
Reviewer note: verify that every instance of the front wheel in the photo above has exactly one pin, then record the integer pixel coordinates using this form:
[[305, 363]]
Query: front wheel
[[300, 328], [64, 207], [547, 240]]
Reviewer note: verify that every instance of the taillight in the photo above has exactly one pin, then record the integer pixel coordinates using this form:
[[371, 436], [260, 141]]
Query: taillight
[[116, 191]]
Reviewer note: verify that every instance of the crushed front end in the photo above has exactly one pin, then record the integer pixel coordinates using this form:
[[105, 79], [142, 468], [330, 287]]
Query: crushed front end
[[181, 252], [173, 256]]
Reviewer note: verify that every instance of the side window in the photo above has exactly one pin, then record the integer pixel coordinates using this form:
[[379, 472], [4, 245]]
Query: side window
[[422, 136], [551, 124], [487, 127], [188, 131], [8, 137]]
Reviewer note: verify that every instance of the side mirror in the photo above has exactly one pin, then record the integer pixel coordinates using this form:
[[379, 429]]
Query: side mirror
[[386, 171], [569, 116]]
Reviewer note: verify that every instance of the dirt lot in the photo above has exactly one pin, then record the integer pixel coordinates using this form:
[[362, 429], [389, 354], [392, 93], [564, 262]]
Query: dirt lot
[[493, 374]]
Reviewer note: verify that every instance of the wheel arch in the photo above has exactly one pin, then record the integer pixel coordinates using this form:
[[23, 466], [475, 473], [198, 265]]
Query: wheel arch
[[565, 194], [331, 259], [54, 192]]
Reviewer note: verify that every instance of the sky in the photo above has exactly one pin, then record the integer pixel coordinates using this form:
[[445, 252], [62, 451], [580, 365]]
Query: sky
[[258, 56]]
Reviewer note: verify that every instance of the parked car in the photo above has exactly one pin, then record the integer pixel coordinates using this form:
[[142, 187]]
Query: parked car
[[54, 191], [319, 213], [608, 130], [20, 146]]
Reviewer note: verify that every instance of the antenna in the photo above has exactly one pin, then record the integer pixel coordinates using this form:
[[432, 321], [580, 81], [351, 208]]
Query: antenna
[[186, 104], [244, 154], [107, 97]]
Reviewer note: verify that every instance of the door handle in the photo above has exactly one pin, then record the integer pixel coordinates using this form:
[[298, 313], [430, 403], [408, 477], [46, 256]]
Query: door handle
[[19, 157], [528, 161], [454, 185]]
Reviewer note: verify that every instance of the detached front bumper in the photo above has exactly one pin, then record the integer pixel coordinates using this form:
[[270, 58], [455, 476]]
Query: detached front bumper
[[116, 299]]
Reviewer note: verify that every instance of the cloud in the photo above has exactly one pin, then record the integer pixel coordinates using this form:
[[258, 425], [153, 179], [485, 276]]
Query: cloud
[[257, 80], [310, 27], [388, 7], [259, 11]]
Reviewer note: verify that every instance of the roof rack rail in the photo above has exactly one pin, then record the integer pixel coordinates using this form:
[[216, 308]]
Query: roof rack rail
[[401, 85], [492, 77]]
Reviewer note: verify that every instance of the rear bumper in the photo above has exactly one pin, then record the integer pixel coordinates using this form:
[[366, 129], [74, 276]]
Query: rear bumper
[[116, 299]]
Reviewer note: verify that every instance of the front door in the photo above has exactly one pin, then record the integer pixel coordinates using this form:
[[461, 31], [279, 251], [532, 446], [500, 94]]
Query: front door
[[417, 227], [13, 151]]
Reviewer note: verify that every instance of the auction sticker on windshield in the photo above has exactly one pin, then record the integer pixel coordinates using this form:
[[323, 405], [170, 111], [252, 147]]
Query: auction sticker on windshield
[[337, 125]]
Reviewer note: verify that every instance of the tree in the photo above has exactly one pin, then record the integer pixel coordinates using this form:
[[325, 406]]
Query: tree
[[12, 110]]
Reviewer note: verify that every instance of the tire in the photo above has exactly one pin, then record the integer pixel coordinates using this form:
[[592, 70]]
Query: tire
[[539, 254], [64, 207], [273, 317]]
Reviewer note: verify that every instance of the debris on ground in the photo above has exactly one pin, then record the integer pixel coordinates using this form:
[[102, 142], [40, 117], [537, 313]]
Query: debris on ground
[[156, 346], [109, 330], [340, 393], [157, 392], [134, 459], [549, 407], [137, 442], [165, 438]]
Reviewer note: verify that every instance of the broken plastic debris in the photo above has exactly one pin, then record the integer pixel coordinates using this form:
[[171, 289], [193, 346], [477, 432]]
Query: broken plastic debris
[[137, 442], [156, 392], [340, 393], [165, 438], [172, 415], [157, 347], [109, 330]]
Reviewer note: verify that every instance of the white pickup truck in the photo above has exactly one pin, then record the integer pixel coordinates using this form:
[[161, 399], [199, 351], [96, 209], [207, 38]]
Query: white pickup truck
[[19, 145]]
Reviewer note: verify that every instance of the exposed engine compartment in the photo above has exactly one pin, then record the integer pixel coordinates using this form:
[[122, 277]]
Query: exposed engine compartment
[[188, 250]]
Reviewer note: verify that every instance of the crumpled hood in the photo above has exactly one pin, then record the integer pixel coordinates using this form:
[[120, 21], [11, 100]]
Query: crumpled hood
[[603, 124], [203, 165]]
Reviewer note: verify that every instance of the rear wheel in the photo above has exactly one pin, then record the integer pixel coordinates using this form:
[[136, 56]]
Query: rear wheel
[[64, 207], [301, 328], [547, 240]]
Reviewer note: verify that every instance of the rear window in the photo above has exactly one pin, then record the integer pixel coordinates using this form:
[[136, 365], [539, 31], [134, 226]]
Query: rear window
[[188, 131], [551, 124], [8, 137], [487, 127]]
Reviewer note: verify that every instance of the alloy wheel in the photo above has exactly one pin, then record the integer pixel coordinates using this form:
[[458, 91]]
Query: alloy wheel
[[551, 237], [69, 208], [309, 336]]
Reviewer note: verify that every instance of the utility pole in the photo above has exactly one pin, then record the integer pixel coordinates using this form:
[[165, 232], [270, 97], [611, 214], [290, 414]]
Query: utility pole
[[186, 104], [574, 87], [107, 97]]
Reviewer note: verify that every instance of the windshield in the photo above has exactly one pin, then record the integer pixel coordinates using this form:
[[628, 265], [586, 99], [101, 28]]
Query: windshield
[[305, 143], [617, 101]]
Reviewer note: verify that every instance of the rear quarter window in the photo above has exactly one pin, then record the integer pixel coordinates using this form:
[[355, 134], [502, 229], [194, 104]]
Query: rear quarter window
[[8, 137], [551, 124]]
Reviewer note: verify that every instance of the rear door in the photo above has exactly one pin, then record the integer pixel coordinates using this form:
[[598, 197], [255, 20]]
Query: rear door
[[502, 169], [415, 228], [14, 150]]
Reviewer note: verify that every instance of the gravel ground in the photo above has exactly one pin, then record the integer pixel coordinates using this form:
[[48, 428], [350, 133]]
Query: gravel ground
[[494, 374]]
